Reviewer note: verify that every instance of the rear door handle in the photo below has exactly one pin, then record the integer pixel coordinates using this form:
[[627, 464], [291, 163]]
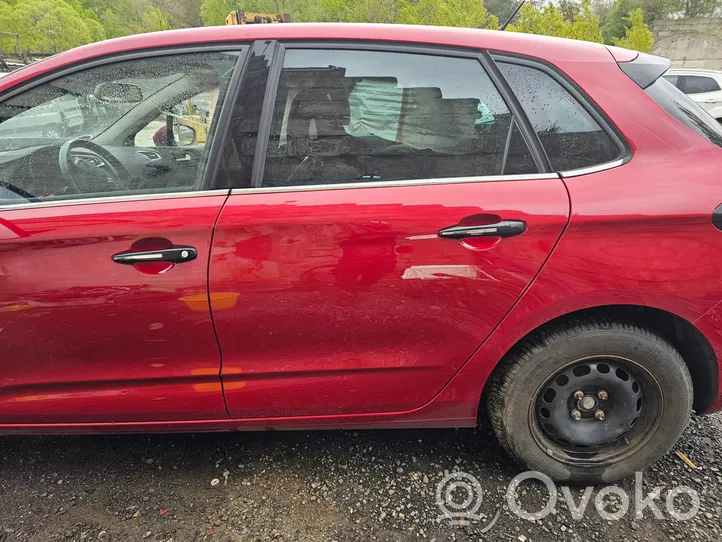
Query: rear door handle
[[503, 228], [174, 255]]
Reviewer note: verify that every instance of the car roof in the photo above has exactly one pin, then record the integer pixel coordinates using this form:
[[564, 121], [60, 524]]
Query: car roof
[[555, 50], [693, 71]]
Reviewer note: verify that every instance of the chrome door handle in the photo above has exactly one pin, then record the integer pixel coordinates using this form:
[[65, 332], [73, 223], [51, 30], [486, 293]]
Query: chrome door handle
[[174, 255], [503, 228]]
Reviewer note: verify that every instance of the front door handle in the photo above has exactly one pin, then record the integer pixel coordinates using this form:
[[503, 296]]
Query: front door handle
[[172, 255], [503, 228]]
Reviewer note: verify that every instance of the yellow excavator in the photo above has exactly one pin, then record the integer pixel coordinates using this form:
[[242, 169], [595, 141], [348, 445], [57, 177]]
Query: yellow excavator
[[238, 16]]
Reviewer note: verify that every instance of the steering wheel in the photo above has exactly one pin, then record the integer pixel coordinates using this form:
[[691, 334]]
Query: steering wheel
[[115, 171]]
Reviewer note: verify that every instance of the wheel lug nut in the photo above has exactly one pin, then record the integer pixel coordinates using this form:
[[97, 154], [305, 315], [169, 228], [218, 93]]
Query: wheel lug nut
[[578, 395], [576, 415], [599, 414], [603, 395]]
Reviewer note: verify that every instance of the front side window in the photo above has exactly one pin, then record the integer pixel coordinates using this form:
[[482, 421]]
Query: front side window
[[570, 136], [365, 116], [131, 127]]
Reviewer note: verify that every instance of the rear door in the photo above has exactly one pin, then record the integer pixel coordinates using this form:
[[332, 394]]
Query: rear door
[[397, 209], [105, 235]]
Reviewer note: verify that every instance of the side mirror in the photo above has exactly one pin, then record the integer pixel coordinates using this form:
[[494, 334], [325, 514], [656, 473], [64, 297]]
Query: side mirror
[[118, 93], [184, 135]]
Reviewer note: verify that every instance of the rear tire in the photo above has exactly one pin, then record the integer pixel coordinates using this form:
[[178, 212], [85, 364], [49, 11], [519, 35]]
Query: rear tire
[[544, 401]]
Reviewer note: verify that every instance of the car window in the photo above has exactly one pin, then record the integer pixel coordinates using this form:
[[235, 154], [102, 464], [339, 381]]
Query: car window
[[191, 122], [571, 138], [695, 84], [673, 79], [366, 116], [686, 111], [131, 127]]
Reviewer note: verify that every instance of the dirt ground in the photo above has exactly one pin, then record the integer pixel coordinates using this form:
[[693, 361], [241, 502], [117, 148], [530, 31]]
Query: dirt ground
[[319, 486]]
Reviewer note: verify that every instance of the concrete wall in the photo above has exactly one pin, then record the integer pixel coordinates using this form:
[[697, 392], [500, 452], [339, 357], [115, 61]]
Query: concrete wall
[[691, 43]]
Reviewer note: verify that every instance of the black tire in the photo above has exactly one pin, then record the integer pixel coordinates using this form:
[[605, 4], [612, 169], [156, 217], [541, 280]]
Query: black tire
[[659, 377]]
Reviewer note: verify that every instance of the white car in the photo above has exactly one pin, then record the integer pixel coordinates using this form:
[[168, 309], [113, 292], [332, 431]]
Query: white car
[[703, 86]]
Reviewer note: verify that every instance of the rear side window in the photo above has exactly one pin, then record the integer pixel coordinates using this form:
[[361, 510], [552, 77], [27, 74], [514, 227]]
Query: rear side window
[[685, 110], [571, 138], [695, 84], [345, 116]]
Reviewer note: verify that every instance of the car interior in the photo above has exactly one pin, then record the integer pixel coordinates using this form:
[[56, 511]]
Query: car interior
[[140, 132], [330, 128]]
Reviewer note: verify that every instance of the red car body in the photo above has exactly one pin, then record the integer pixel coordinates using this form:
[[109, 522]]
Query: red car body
[[341, 308]]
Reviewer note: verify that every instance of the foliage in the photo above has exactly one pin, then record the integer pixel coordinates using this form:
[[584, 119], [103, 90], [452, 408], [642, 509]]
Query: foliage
[[549, 20], [123, 17], [620, 20], [637, 36], [585, 25], [701, 8], [214, 12], [48, 24], [469, 13], [465, 13], [67, 23], [182, 13]]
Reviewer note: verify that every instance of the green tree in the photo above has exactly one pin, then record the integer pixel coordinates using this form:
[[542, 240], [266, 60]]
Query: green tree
[[502, 9], [701, 8], [468, 13], [585, 25], [363, 11], [464, 13], [637, 36], [124, 17], [181, 13], [214, 12], [48, 24], [548, 21], [569, 8], [617, 22]]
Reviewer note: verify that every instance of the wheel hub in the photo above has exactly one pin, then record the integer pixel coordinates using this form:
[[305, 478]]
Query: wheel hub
[[589, 403]]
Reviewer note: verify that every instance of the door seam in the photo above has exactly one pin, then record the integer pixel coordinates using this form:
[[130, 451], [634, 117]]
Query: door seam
[[210, 308], [514, 305]]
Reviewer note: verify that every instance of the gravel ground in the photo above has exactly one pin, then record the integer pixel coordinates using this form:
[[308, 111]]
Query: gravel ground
[[320, 486]]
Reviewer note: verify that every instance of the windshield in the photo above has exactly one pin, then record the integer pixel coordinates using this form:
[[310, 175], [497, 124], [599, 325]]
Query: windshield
[[682, 108]]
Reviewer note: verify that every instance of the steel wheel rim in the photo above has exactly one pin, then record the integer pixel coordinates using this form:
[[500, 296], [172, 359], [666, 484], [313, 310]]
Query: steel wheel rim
[[619, 433]]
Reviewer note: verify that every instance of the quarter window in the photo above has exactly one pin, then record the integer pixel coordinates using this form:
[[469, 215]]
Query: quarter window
[[571, 138], [364, 116], [134, 127]]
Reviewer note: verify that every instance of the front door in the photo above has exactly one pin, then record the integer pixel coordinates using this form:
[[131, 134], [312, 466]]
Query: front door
[[105, 231], [396, 218]]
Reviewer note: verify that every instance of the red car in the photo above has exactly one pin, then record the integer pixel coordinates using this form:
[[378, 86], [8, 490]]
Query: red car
[[308, 226]]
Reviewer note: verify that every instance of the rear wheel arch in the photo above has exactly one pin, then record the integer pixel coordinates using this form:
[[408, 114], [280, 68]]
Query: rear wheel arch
[[692, 345]]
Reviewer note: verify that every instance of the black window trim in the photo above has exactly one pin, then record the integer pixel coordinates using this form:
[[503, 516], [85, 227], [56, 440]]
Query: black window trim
[[625, 150], [487, 65], [205, 185]]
